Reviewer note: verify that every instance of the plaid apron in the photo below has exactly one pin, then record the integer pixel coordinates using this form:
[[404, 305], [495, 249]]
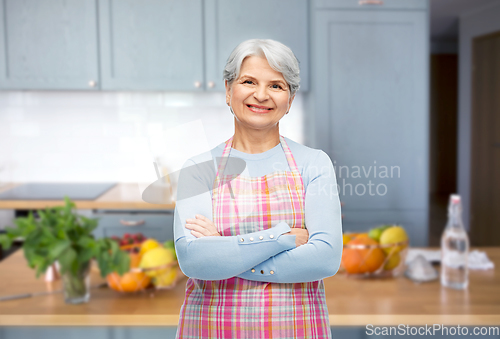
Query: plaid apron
[[240, 308]]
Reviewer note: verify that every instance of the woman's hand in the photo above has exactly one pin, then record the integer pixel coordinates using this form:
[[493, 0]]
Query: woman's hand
[[202, 227], [301, 235]]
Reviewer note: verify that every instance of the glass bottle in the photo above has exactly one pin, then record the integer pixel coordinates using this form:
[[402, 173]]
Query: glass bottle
[[454, 248]]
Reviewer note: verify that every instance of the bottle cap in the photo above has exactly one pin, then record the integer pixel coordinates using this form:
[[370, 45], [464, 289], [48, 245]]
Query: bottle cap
[[455, 198]]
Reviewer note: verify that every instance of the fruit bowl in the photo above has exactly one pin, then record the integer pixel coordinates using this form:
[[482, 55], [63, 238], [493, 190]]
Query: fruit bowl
[[372, 260], [381, 253], [139, 278]]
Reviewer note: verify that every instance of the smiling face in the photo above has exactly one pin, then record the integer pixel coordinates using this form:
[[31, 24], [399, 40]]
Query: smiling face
[[260, 96]]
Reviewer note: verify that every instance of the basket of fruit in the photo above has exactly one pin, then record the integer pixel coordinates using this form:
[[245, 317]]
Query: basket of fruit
[[379, 253], [151, 263]]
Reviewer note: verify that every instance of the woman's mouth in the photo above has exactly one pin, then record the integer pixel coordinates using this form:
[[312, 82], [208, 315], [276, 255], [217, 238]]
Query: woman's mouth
[[259, 109]]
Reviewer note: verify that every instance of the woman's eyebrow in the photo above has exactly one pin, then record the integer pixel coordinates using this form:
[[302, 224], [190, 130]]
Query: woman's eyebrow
[[273, 80]]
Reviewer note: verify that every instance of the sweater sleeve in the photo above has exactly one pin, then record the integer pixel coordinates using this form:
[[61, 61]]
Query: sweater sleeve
[[216, 258], [320, 256]]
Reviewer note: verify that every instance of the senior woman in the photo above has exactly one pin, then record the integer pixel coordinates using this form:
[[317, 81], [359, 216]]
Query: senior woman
[[256, 244]]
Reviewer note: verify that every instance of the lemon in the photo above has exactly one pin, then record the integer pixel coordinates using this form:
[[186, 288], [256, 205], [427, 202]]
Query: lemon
[[155, 257], [392, 262], [393, 235], [165, 279], [148, 244], [345, 239]]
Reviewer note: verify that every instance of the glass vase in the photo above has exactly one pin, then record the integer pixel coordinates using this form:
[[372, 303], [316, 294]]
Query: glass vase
[[76, 287]]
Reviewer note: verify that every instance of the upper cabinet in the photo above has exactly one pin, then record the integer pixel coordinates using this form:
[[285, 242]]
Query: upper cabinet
[[166, 45], [229, 22], [151, 45], [371, 4], [48, 45]]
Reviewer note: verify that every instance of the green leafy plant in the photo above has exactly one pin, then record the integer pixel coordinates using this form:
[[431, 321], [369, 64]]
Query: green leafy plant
[[62, 235]]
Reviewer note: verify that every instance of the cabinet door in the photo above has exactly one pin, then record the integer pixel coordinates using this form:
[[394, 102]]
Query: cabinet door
[[151, 44], [230, 22], [48, 45], [371, 81]]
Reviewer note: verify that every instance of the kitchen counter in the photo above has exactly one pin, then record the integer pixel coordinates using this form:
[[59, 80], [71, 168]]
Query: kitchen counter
[[351, 302], [121, 196]]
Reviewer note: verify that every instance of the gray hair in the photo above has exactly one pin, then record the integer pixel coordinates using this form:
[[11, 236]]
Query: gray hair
[[279, 57]]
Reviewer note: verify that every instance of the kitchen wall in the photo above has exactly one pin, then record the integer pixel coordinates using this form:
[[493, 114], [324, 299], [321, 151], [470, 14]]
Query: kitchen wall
[[76, 136]]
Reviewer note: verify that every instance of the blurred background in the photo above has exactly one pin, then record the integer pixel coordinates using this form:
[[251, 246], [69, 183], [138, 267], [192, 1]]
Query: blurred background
[[99, 98], [401, 94]]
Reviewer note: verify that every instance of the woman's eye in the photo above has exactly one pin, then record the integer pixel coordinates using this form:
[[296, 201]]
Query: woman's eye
[[248, 82], [275, 86]]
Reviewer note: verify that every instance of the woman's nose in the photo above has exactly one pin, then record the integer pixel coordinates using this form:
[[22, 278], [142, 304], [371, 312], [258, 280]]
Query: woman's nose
[[261, 93]]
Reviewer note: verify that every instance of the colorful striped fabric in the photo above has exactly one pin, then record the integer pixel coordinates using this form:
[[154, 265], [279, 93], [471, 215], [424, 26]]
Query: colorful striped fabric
[[240, 308]]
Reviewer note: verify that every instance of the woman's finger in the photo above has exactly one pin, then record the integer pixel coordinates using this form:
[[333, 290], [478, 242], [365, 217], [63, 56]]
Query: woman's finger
[[198, 228], [199, 223], [196, 221], [206, 226], [197, 234], [202, 222]]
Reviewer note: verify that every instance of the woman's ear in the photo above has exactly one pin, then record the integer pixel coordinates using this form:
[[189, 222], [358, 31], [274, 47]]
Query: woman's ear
[[228, 92], [290, 102]]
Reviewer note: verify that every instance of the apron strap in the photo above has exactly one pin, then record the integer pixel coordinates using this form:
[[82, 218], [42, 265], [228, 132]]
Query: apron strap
[[289, 156], [224, 158], [227, 150]]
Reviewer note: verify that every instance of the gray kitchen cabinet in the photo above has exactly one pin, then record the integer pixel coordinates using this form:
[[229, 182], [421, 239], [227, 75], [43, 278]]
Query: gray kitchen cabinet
[[229, 22], [164, 45], [370, 71], [42, 332], [151, 45], [79, 332], [371, 4], [48, 45], [173, 45], [157, 225]]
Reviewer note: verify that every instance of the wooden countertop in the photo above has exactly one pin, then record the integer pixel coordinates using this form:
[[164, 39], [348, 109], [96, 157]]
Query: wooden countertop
[[120, 196], [351, 302]]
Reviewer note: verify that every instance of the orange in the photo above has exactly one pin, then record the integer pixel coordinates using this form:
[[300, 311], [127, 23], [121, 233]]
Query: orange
[[362, 260], [130, 281]]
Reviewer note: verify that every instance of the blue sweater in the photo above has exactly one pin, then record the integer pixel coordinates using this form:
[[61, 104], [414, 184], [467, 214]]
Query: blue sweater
[[217, 258]]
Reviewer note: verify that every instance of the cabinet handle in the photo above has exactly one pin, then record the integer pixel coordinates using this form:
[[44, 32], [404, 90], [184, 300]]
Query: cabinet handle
[[92, 83], [131, 222], [211, 84], [370, 2], [197, 84]]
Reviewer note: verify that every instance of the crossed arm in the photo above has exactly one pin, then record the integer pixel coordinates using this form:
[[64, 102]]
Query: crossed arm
[[203, 254]]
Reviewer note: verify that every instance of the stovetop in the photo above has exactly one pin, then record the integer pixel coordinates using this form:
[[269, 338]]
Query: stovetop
[[57, 191]]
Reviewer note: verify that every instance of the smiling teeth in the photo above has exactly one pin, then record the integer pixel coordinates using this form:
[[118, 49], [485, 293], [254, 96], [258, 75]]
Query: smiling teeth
[[259, 109]]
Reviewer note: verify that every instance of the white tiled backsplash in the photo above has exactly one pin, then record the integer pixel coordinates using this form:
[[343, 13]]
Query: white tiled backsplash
[[71, 136], [112, 136]]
